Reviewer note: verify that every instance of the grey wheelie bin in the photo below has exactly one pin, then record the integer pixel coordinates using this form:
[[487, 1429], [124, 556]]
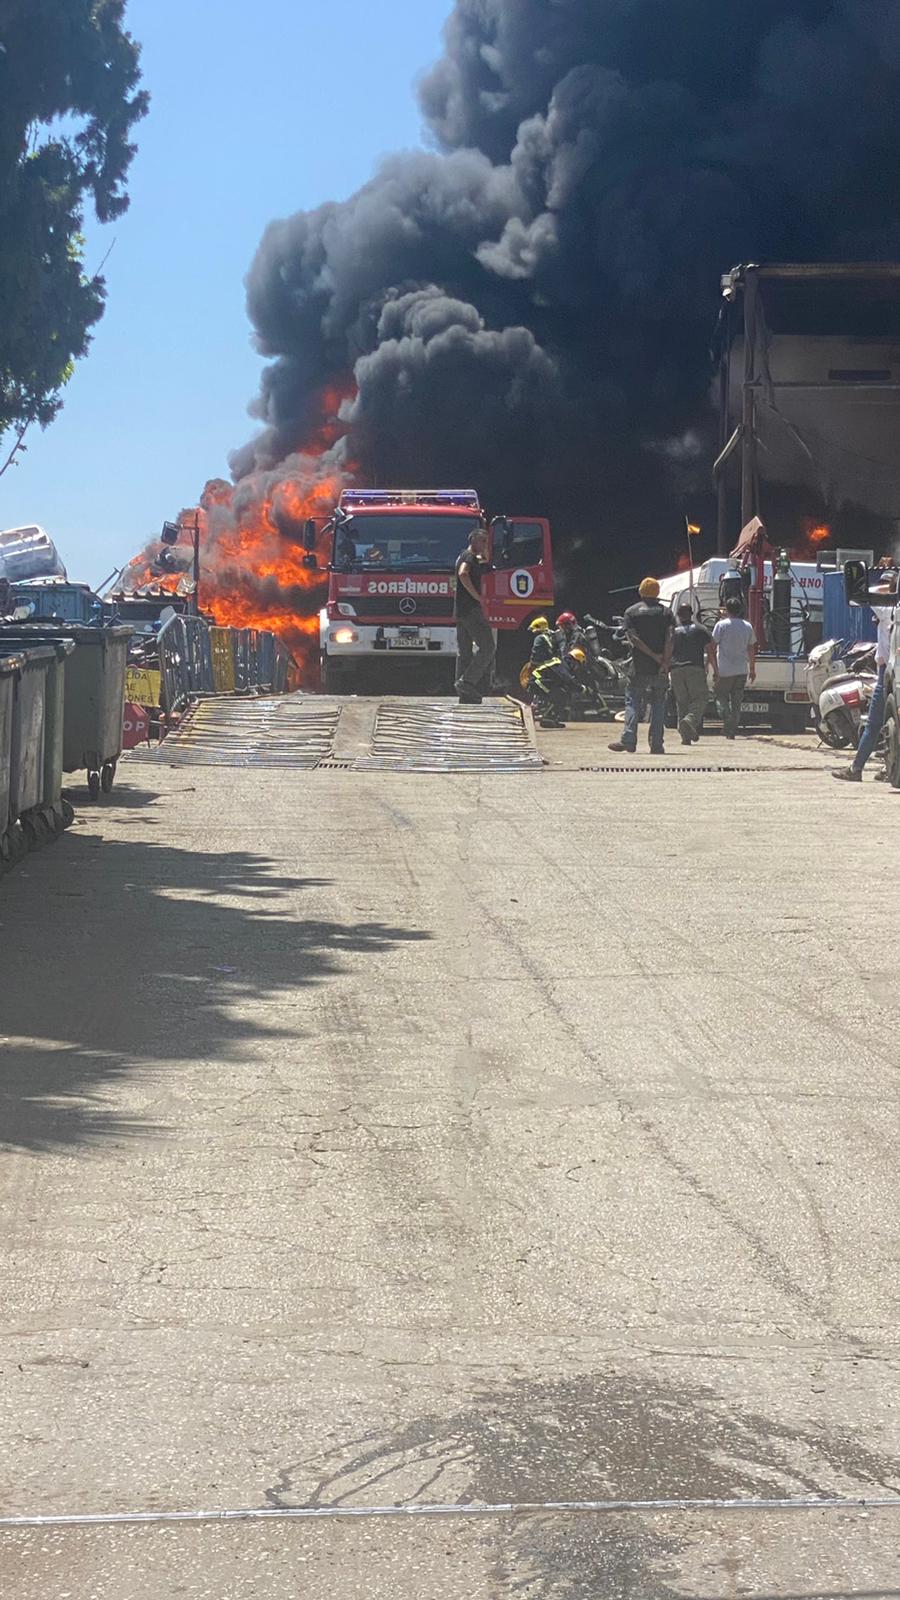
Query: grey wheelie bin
[[29, 725], [27, 825], [57, 812], [9, 669], [94, 696]]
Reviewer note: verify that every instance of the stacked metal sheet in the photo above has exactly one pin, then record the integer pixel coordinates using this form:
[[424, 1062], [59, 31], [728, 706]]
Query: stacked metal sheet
[[441, 736], [291, 731]]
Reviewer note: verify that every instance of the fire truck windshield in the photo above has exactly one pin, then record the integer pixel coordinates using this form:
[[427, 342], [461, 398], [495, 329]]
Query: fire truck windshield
[[386, 542]]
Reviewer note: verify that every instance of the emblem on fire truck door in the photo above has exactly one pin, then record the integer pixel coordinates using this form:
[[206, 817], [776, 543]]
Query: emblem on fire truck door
[[521, 583]]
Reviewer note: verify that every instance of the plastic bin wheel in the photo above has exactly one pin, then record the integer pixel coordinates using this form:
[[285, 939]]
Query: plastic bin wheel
[[13, 845], [94, 785], [107, 776], [36, 829]]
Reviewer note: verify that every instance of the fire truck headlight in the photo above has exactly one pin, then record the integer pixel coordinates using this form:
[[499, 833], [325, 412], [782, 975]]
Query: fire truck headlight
[[345, 636]]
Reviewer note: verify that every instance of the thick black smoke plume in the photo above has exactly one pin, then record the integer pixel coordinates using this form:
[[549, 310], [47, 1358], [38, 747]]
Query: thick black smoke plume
[[529, 307]]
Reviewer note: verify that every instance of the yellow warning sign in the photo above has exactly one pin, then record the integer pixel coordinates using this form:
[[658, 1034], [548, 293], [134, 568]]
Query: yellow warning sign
[[142, 686]]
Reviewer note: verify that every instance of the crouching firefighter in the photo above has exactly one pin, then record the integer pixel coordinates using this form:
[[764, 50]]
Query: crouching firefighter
[[550, 680]]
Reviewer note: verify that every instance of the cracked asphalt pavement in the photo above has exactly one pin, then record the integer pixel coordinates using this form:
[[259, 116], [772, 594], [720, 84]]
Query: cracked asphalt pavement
[[370, 1139]]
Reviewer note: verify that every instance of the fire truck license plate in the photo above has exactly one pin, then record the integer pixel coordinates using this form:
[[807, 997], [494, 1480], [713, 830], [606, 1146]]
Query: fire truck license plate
[[407, 642], [756, 705]]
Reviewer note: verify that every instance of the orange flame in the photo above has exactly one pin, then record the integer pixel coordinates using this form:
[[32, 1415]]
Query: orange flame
[[252, 572], [814, 534]]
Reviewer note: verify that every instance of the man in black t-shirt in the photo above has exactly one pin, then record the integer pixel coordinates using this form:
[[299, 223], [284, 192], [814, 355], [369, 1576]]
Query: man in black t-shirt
[[475, 637], [649, 627], [693, 649]]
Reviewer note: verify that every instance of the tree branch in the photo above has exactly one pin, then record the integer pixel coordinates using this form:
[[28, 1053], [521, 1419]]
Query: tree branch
[[17, 448]]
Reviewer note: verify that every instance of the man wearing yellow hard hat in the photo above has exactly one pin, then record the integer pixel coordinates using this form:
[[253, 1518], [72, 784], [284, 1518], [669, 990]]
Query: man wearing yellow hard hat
[[649, 626]]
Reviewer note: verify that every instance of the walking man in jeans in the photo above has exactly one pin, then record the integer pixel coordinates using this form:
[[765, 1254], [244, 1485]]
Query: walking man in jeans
[[735, 644], [875, 720], [692, 650], [475, 638], [649, 626]]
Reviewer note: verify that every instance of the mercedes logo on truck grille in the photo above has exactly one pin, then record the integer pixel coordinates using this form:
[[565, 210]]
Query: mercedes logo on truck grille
[[407, 606]]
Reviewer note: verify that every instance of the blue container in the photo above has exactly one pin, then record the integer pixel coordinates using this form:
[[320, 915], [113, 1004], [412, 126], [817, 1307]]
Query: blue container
[[840, 620], [56, 599]]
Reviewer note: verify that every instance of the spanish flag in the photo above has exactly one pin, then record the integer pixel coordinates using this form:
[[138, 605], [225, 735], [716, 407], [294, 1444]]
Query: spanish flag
[[693, 529]]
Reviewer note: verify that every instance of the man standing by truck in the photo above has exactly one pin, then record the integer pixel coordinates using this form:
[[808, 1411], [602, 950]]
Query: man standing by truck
[[692, 651], [735, 643], [475, 639], [649, 626]]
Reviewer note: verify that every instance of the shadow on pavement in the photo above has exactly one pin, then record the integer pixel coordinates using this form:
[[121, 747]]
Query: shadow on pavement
[[592, 1438], [124, 796], [116, 953]]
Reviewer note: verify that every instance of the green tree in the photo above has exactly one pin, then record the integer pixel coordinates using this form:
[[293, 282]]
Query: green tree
[[69, 98]]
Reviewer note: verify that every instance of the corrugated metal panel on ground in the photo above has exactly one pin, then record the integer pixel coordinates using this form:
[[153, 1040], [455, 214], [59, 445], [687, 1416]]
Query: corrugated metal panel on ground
[[302, 731], [441, 736], [289, 731]]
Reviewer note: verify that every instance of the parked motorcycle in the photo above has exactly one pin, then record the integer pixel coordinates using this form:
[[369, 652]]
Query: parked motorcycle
[[840, 680], [607, 668]]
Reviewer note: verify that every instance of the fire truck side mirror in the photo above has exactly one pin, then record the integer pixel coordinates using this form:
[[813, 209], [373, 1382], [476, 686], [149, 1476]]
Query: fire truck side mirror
[[856, 583], [309, 560], [309, 534]]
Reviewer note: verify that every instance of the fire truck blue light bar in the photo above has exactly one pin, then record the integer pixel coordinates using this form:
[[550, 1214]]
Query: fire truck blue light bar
[[411, 497]]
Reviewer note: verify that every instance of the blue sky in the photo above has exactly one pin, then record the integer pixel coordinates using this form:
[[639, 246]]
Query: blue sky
[[257, 111]]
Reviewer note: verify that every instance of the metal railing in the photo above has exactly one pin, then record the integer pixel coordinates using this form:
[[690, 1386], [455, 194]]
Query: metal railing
[[196, 659]]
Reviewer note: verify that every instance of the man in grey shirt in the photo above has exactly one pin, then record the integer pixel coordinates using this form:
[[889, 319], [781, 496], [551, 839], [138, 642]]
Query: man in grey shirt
[[735, 643]]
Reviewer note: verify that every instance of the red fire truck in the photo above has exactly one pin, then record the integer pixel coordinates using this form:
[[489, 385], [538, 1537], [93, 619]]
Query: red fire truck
[[391, 557]]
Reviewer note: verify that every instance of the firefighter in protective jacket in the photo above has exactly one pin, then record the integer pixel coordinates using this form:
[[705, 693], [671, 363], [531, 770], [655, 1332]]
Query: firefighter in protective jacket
[[551, 681], [543, 644]]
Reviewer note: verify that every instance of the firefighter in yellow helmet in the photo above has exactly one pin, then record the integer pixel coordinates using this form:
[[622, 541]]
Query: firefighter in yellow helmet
[[543, 644], [551, 681]]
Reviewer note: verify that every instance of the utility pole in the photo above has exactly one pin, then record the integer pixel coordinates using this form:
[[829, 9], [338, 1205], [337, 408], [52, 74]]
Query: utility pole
[[748, 420], [195, 529], [171, 534], [722, 540]]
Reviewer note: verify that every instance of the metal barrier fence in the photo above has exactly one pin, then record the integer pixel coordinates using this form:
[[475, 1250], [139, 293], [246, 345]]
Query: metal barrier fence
[[196, 659]]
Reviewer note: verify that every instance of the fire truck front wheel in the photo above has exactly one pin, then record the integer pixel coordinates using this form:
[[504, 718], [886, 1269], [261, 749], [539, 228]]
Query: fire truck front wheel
[[334, 681]]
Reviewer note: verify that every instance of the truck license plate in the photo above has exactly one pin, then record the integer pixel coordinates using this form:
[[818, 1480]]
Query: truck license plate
[[402, 643], [756, 705]]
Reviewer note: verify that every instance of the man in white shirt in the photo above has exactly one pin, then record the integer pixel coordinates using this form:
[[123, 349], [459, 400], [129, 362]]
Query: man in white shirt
[[884, 616], [735, 643]]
